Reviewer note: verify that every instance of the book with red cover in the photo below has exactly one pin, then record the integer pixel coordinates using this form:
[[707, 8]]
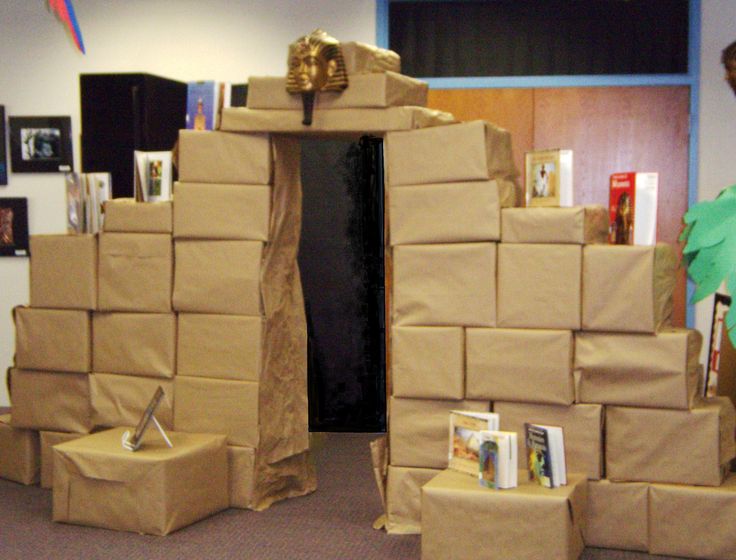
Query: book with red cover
[[633, 208]]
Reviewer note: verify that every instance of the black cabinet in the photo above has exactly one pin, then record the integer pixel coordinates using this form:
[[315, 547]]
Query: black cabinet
[[126, 112]]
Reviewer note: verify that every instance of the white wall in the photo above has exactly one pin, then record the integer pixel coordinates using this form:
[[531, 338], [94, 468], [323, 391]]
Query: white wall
[[226, 40]]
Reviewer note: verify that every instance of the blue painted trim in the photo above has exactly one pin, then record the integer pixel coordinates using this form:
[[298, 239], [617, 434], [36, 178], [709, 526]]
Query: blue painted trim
[[382, 23], [692, 174], [560, 81]]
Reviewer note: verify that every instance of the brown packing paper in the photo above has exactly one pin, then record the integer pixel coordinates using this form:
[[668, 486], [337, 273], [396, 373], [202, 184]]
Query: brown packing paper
[[353, 121], [379, 460], [155, 490], [450, 284], [135, 272], [361, 58], [212, 211], [218, 277], [121, 400], [693, 521], [241, 463], [461, 519], [580, 225], [419, 430], [378, 90], [447, 213], [539, 286], [220, 346], [652, 371], [582, 425], [19, 453], [526, 365], [289, 477], [126, 215], [48, 440], [640, 303], [220, 157], [134, 343], [50, 401], [53, 339], [404, 499], [219, 407], [472, 151], [63, 271], [671, 446], [617, 515], [428, 362]]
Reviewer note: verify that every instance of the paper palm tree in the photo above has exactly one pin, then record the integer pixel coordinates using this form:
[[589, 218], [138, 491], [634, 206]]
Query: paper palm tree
[[710, 252]]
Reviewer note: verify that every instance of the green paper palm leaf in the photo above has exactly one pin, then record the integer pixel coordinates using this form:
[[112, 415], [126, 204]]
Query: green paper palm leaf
[[710, 251]]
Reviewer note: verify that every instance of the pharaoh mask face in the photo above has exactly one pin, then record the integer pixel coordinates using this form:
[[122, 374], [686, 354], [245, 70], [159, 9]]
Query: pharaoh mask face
[[316, 64]]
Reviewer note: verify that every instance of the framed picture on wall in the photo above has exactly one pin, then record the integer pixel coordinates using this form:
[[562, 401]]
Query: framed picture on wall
[[40, 144], [14, 227], [3, 153]]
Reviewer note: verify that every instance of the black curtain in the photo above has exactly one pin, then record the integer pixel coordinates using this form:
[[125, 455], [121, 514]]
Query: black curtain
[[540, 37]]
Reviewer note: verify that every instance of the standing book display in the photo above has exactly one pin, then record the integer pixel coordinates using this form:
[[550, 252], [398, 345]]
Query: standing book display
[[549, 178], [633, 208], [133, 443], [465, 438], [545, 449], [498, 460]]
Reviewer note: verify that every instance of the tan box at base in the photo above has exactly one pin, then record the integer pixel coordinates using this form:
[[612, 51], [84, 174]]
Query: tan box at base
[[241, 463], [448, 284], [693, 521], [419, 430], [428, 362], [155, 490], [48, 440], [50, 401], [582, 426], [404, 499], [617, 515], [219, 407], [465, 521], [19, 453], [218, 277], [121, 400], [671, 446], [64, 271], [126, 215], [580, 225]]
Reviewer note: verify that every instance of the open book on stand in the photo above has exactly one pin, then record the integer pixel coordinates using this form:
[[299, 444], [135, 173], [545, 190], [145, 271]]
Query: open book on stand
[[465, 429], [545, 450]]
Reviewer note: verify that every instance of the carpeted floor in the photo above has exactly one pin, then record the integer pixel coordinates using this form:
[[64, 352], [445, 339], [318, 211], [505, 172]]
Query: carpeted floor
[[334, 523]]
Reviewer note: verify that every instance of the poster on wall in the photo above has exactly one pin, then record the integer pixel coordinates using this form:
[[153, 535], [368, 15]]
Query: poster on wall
[[14, 227], [3, 156], [40, 144]]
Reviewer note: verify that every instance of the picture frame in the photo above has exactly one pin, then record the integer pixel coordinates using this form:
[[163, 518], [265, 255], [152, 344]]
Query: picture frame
[[133, 442], [3, 152], [41, 144], [14, 227]]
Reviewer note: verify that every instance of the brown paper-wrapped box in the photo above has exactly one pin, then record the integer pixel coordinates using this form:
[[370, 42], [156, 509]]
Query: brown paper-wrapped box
[[472, 151], [134, 343], [539, 286], [217, 406], [384, 89], [448, 212], [362, 58], [523, 365], [451, 284], [404, 499], [651, 371], [428, 362], [461, 519], [50, 401], [19, 453], [214, 211], [582, 425], [121, 400], [627, 288], [218, 277], [135, 272], [220, 346], [53, 339], [222, 157], [48, 440], [419, 430], [241, 462], [64, 271], [671, 446], [155, 490], [126, 215], [693, 521], [617, 515], [580, 225]]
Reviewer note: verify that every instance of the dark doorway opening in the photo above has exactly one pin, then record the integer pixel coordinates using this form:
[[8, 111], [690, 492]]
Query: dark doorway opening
[[342, 270]]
